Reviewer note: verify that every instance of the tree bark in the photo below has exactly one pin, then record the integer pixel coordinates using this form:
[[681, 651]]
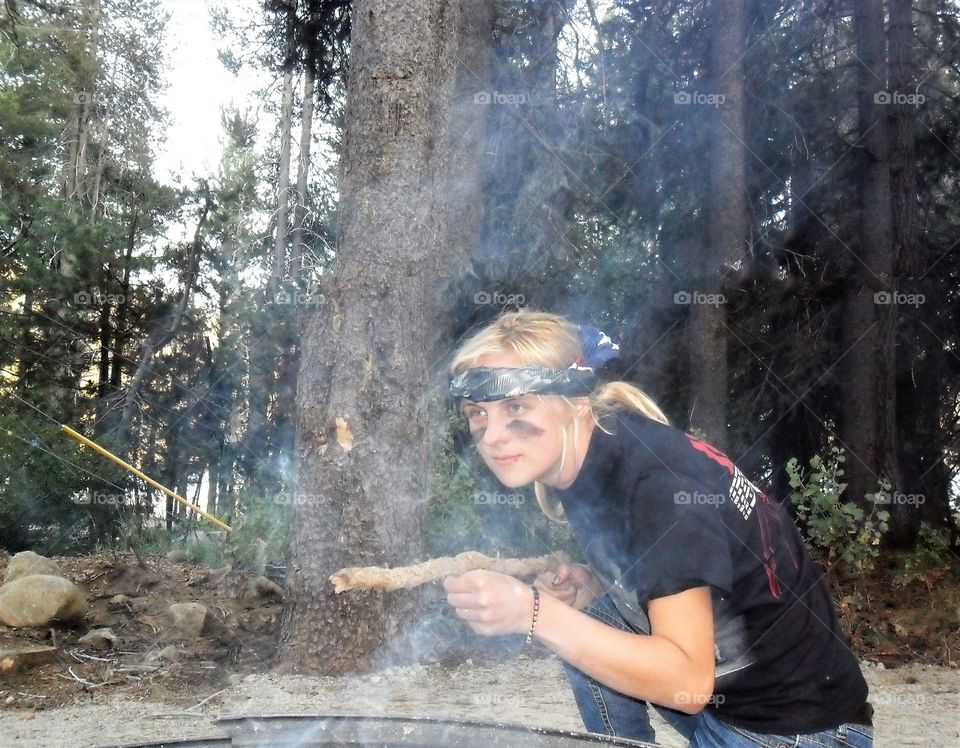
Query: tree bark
[[905, 518], [303, 174], [868, 334], [283, 176], [363, 468], [727, 232]]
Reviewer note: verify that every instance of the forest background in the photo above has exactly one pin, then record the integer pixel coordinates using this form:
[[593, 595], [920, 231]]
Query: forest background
[[757, 199]]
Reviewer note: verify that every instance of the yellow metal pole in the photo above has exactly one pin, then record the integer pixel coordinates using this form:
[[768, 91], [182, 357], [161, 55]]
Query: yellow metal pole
[[127, 466]]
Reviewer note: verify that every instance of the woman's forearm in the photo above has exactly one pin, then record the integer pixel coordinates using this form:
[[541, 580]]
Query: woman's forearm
[[652, 667]]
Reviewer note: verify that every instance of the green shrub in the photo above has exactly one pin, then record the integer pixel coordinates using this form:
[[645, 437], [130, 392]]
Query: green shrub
[[843, 536], [928, 562]]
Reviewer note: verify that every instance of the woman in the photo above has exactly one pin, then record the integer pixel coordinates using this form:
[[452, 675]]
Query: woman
[[699, 597]]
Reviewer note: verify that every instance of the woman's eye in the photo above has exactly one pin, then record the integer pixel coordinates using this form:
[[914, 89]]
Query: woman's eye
[[516, 409], [475, 413]]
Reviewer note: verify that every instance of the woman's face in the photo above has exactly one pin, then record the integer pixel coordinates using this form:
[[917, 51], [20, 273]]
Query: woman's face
[[520, 438]]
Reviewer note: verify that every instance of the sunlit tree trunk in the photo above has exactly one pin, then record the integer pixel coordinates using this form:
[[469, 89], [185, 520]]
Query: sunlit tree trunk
[[410, 152], [283, 166], [303, 173]]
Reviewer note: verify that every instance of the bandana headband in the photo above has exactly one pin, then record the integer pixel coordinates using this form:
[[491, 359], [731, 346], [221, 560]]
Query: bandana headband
[[483, 384]]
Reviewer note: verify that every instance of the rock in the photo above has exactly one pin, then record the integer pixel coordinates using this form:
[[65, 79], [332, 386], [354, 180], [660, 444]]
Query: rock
[[119, 601], [99, 639], [188, 620], [27, 563], [178, 556], [15, 658], [170, 653], [262, 588], [40, 599]]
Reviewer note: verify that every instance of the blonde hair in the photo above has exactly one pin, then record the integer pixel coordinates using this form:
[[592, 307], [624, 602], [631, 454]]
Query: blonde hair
[[543, 339]]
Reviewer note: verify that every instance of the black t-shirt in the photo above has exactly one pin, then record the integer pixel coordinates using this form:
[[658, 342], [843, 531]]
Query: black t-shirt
[[657, 511]]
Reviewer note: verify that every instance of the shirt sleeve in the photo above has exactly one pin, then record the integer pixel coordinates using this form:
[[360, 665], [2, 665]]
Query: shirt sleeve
[[679, 538]]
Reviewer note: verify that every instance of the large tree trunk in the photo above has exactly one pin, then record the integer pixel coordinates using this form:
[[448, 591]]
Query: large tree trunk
[[922, 396], [915, 448], [868, 335], [709, 390], [363, 413]]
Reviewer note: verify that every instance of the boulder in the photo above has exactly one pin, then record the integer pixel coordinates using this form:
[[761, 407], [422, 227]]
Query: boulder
[[27, 563], [99, 639], [188, 620], [39, 599]]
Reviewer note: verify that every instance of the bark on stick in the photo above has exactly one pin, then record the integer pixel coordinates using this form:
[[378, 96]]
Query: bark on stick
[[403, 577]]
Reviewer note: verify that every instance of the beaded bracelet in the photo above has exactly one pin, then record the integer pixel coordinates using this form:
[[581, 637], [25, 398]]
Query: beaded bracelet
[[536, 610]]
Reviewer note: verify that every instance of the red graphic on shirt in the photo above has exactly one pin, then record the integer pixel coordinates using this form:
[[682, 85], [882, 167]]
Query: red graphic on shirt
[[712, 452], [768, 517]]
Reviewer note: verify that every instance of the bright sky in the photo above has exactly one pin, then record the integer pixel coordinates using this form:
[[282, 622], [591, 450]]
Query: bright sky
[[198, 87]]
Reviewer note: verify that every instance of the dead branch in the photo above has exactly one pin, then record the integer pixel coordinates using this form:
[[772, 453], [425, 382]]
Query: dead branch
[[382, 579]]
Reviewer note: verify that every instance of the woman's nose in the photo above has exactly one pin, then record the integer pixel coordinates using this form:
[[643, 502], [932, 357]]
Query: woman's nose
[[496, 430]]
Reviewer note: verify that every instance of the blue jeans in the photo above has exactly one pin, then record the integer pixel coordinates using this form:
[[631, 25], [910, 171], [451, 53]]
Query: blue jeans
[[712, 733], [610, 712]]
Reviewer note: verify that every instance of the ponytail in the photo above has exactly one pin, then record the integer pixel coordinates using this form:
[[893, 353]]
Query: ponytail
[[607, 398], [613, 396]]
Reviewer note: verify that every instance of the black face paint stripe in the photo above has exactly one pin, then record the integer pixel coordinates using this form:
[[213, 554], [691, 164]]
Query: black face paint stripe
[[522, 428]]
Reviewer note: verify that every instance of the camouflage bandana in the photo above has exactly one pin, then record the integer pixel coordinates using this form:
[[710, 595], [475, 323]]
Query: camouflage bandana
[[483, 384]]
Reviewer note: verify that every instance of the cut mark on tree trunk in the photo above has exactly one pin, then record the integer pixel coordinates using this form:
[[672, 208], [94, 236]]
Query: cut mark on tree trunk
[[343, 434]]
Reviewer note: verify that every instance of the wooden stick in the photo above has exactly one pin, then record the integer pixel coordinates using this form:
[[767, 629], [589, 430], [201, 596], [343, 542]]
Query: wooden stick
[[382, 579]]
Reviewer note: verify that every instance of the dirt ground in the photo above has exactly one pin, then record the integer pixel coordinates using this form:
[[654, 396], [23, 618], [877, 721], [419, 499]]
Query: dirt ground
[[150, 689], [916, 704]]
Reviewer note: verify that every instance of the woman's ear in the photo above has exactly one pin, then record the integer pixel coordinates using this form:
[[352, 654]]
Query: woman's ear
[[581, 406]]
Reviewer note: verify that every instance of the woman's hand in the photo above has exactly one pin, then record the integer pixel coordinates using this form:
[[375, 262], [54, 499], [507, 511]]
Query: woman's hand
[[492, 603], [573, 584]]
